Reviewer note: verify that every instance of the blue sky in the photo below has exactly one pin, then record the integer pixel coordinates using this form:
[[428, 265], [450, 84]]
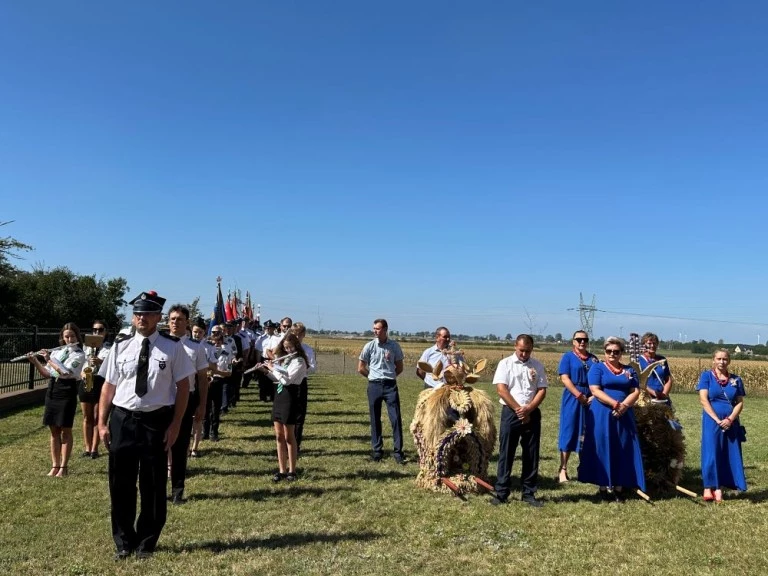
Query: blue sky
[[454, 163]]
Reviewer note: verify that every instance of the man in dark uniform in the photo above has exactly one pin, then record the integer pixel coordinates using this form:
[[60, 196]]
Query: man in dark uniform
[[145, 395]]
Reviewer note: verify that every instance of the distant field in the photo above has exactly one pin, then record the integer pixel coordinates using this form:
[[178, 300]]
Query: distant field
[[685, 369]]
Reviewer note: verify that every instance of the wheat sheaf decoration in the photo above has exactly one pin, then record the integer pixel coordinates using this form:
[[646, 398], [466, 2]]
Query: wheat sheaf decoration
[[453, 428]]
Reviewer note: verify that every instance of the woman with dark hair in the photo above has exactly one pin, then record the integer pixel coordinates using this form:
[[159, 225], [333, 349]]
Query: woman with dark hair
[[660, 379], [288, 374], [573, 370], [89, 396], [610, 454], [722, 400], [63, 367]]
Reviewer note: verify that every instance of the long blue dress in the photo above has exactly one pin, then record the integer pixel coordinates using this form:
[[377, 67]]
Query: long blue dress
[[721, 462], [610, 454], [572, 414]]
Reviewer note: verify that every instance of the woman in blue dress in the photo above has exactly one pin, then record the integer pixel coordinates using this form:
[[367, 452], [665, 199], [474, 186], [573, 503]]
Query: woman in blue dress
[[574, 366], [610, 454], [660, 379], [722, 398]]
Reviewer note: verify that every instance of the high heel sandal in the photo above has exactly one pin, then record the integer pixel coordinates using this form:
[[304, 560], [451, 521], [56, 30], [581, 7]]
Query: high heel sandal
[[54, 471], [567, 478]]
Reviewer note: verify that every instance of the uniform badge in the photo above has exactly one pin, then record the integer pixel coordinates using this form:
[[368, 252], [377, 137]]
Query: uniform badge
[[162, 364], [75, 364]]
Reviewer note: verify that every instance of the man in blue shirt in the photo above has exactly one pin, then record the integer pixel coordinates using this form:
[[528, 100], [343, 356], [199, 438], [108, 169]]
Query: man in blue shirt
[[381, 361]]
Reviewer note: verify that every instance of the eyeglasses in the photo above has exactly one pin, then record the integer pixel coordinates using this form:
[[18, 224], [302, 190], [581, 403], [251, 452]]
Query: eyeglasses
[[613, 352], [581, 340], [97, 330]]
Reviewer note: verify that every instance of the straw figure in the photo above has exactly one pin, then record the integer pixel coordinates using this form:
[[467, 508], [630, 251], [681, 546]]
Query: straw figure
[[454, 429], [661, 435]]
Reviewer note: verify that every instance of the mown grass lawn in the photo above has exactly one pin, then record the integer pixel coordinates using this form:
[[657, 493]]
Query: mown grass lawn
[[347, 515]]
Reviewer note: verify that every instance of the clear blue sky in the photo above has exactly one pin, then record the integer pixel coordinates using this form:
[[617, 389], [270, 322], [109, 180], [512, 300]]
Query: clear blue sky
[[456, 163]]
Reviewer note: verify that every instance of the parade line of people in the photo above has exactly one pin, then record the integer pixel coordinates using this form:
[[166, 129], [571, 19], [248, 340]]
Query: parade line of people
[[152, 396]]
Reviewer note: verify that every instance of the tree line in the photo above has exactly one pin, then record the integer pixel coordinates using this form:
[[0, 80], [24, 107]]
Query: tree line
[[52, 297]]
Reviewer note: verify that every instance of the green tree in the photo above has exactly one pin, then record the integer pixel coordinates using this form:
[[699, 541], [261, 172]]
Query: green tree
[[50, 298]]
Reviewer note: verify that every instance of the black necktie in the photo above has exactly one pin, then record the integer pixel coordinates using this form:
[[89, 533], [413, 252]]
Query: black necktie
[[143, 369]]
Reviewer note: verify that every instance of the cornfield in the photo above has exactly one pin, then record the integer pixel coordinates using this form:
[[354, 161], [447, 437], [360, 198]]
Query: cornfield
[[685, 370]]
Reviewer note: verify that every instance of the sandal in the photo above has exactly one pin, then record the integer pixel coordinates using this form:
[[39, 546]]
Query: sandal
[[54, 471], [567, 478], [718, 496], [62, 472], [708, 497]]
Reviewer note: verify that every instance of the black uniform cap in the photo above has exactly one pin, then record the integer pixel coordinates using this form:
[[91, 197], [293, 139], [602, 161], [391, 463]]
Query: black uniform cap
[[147, 302]]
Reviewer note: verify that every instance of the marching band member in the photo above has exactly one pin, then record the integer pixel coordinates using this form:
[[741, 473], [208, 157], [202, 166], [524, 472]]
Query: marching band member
[[145, 397], [287, 374], [178, 321], [198, 333], [301, 331], [266, 343], [231, 391], [63, 367], [89, 399], [223, 369]]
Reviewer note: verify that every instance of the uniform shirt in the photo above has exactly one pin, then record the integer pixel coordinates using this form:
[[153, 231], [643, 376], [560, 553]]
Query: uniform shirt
[[381, 359], [222, 357], [197, 354], [168, 364], [69, 363], [312, 367], [102, 353], [259, 342], [229, 344], [209, 351], [271, 343], [522, 379], [431, 356]]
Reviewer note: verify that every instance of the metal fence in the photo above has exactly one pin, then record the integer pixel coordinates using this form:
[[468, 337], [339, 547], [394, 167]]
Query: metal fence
[[15, 342]]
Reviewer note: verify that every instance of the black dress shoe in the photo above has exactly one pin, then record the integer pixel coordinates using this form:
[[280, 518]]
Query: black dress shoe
[[177, 499], [143, 554], [532, 501], [376, 457], [122, 554]]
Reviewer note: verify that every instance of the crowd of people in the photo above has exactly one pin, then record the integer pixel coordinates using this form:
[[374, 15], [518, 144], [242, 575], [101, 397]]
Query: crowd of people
[[153, 396]]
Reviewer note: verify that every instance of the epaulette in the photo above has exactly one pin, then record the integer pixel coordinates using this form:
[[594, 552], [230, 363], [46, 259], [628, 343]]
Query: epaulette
[[120, 337], [166, 335]]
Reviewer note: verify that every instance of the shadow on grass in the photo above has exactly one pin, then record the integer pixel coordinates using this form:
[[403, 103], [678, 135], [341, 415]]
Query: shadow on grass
[[336, 437], [291, 491], [209, 471], [274, 542], [257, 420], [341, 413], [316, 452], [376, 475], [217, 451], [350, 422]]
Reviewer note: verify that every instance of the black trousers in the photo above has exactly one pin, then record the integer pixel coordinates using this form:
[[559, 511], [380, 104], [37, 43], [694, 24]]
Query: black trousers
[[213, 410], [181, 446], [512, 432], [137, 451], [298, 430], [266, 387]]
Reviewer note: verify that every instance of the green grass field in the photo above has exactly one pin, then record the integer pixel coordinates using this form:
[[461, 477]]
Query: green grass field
[[347, 515]]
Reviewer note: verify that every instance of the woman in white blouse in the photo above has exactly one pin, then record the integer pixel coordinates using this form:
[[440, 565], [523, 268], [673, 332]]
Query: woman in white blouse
[[287, 375]]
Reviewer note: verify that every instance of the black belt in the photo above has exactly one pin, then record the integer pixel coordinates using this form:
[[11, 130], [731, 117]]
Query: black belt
[[139, 415]]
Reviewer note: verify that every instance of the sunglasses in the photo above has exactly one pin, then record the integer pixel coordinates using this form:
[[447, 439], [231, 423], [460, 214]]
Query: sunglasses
[[98, 330], [613, 352], [581, 340]]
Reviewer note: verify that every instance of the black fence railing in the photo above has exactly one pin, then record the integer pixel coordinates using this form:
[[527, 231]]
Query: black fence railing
[[15, 342]]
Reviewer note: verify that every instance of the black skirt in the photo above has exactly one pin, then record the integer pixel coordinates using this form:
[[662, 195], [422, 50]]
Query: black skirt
[[60, 403], [286, 405], [91, 397]]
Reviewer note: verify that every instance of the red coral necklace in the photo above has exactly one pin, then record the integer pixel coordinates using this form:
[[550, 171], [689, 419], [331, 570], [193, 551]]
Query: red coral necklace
[[616, 371]]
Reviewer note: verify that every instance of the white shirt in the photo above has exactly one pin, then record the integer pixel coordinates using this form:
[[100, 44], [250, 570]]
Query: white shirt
[[69, 363], [312, 368], [522, 379], [197, 354], [222, 357], [431, 356], [292, 374], [168, 365], [271, 342]]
